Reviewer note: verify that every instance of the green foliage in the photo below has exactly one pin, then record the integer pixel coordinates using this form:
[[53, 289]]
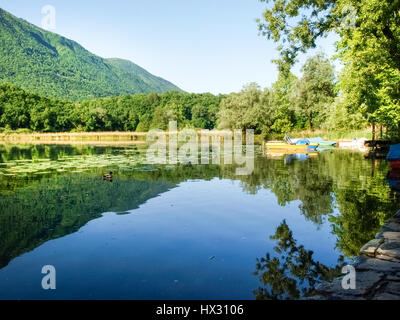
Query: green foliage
[[290, 103], [296, 25], [44, 62], [270, 112], [49, 65], [314, 91], [60, 205], [248, 109], [294, 273], [340, 117], [370, 52], [369, 44], [22, 109], [336, 179], [283, 113], [52, 66]]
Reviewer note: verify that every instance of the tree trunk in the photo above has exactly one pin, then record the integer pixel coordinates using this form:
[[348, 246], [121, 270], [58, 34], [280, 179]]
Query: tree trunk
[[373, 132]]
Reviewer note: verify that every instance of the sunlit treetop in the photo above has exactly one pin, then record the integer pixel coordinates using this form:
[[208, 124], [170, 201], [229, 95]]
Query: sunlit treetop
[[296, 24]]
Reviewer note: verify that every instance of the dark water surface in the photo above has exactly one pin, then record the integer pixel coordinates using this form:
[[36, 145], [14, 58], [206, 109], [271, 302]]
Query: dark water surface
[[184, 231]]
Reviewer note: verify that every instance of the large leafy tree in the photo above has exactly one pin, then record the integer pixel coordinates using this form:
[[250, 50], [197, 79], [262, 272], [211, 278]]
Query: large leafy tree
[[248, 109], [314, 91], [283, 113], [369, 47], [370, 80]]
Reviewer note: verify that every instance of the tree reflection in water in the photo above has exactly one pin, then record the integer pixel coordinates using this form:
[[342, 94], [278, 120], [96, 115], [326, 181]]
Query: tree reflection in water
[[293, 273], [43, 196]]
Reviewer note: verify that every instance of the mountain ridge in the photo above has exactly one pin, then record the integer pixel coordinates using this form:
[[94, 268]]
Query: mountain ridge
[[54, 66]]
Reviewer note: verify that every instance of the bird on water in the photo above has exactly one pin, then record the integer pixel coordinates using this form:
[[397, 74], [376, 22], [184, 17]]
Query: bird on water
[[108, 176]]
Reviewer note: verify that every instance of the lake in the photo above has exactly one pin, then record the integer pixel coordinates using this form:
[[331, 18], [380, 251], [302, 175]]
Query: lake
[[182, 231]]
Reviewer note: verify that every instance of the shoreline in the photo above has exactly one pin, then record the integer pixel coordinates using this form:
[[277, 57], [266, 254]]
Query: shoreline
[[377, 269], [74, 138], [104, 137]]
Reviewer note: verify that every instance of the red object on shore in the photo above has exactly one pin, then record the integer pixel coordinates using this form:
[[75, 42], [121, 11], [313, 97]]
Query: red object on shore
[[395, 164], [394, 174]]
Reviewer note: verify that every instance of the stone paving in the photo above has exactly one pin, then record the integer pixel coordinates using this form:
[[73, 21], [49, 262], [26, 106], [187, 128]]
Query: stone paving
[[377, 269]]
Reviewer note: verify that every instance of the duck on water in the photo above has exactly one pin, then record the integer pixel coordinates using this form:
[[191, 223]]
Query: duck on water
[[108, 176]]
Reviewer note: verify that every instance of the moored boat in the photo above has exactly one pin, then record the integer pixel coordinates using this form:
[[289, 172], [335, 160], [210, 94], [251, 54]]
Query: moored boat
[[322, 142], [301, 144], [393, 179], [352, 144], [276, 151], [285, 146], [394, 156]]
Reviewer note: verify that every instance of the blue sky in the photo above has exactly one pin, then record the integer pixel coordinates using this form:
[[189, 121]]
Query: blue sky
[[201, 46]]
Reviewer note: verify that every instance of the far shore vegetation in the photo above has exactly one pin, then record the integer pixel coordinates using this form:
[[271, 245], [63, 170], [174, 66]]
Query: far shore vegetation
[[301, 107], [24, 135], [363, 99]]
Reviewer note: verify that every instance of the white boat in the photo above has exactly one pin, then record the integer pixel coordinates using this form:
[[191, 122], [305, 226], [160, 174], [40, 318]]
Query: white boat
[[355, 144]]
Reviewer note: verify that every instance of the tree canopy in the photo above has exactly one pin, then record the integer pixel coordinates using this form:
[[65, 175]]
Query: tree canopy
[[290, 103], [314, 91], [368, 48]]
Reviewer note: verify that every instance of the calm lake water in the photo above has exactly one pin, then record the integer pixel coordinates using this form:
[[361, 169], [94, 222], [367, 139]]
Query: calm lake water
[[184, 231]]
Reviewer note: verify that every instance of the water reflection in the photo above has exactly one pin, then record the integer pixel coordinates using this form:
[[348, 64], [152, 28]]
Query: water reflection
[[48, 192], [393, 178], [56, 206], [289, 158], [292, 273]]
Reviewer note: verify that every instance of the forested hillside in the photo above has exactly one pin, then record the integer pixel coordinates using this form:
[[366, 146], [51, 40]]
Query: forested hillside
[[20, 109], [44, 62], [291, 104]]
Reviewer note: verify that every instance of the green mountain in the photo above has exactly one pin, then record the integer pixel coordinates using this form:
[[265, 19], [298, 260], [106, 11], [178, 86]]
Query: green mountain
[[47, 63]]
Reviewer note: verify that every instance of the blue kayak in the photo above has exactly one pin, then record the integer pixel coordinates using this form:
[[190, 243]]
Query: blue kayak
[[322, 142], [394, 152]]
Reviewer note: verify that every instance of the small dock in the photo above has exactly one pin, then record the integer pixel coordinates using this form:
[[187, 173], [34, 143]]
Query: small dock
[[98, 138], [377, 149], [378, 144]]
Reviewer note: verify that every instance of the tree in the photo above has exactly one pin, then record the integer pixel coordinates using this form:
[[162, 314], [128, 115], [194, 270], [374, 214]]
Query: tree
[[341, 117], [369, 47], [314, 91], [292, 273], [248, 109], [283, 114], [370, 80], [141, 112]]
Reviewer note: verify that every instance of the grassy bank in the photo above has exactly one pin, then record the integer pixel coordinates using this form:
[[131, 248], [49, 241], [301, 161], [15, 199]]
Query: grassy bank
[[25, 136], [74, 138], [333, 135]]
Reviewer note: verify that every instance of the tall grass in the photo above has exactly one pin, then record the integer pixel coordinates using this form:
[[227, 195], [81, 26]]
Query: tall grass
[[334, 135]]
